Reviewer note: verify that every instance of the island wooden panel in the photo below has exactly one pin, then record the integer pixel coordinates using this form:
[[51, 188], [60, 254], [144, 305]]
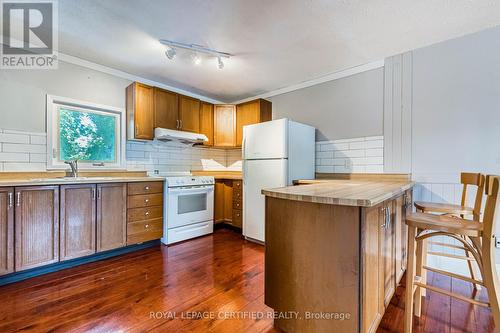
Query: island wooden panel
[[312, 264], [6, 230]]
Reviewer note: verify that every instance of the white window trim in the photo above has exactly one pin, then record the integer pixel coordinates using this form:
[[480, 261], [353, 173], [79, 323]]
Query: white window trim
[[52, 136]]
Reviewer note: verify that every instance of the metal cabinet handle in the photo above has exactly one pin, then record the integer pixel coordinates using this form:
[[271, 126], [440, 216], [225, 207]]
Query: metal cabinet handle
[[384, 211], [11, 199], [146, 188], [146, 200], [93, 194], [146, 226], [147, 213], [18, 201], [99, 193]]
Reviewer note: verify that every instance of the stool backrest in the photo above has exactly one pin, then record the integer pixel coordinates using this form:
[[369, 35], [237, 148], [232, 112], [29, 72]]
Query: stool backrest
[[473, 179]]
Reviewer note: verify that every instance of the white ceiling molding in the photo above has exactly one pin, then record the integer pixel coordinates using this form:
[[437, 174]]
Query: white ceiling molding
[[329, 77], [111, 71]]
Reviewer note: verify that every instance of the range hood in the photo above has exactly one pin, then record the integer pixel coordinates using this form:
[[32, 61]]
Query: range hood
[[187, 138]]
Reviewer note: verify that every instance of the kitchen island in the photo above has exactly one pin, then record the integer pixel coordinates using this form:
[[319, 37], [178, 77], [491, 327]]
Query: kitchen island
[[335, 251]]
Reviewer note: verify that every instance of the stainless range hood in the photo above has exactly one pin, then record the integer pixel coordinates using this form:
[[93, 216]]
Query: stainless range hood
[[187, 138]]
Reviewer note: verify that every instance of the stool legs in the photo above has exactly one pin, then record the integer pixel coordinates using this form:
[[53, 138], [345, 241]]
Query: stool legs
[[410, 277]]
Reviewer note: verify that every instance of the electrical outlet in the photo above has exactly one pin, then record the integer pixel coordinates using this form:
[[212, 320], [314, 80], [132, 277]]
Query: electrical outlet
[[348, 164], [497, 242], [156, 172]]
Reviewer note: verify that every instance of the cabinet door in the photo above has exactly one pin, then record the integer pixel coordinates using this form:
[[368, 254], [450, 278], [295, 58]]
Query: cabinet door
[[401, 237], [36, 226], [78, 221], [189, 114], [224, 126], [207, 122], [249, 113], [166, 109], [372, 309], [219, 201], [111, 216], [228, 200], [6, 230], [388, 252], [140, 111]]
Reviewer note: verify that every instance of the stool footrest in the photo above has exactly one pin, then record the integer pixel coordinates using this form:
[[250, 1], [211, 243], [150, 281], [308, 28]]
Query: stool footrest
[[454, 295], [457, 276], [448, 255]]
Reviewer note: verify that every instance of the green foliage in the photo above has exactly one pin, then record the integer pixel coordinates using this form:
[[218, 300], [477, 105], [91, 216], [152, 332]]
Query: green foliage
[[87, 136]]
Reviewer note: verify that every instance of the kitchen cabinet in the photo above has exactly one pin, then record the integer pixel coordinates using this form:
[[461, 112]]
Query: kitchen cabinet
[[112, 216], [78, 221], [207, 122], [36, 226], [249, 113], [401, 235], [6, 230], [140, 112], [388, 251], [224, 126], [228, 204], [144, 212], [166, 109], [189, 114]]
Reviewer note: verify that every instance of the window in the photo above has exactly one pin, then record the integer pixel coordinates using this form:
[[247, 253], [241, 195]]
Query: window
[[92, 134]]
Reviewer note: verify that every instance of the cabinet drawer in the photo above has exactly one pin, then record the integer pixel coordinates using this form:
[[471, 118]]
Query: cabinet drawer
[[145, 200], [145, 188], [139, 214], [237, 184], [145, 226], [142, 237], [237, 205], [237, 218]]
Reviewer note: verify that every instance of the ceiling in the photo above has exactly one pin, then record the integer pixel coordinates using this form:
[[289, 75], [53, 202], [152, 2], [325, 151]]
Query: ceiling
[[276, 43]]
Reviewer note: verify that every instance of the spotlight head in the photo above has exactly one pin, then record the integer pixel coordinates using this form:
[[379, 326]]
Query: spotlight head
[[220, 64], [170, 52]]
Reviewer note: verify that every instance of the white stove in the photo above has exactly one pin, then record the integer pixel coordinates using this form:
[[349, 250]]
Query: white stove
[[189, 207]]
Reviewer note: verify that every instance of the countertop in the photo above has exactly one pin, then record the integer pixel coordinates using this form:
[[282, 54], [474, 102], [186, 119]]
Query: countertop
[[234, 175], [362, 193], [81, 180]]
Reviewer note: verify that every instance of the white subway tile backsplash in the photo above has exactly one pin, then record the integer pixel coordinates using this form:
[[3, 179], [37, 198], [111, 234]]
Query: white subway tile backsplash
[[356, 155], [14, 166], [38, 139], [23, 148], [14, 138], [38, 158], [14, 157]]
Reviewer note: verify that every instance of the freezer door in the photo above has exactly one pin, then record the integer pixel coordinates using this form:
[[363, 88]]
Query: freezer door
[[266, 140], [258, 175]]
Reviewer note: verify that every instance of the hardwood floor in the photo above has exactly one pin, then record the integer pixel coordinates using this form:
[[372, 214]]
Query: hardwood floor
[[213, 276]]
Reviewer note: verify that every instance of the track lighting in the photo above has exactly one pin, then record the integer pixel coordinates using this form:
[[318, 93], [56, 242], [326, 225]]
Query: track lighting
[[197, 51], [196, 59], [170, 52]]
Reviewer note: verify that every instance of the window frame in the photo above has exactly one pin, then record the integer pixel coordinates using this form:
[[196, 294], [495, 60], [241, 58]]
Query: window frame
[[53, 134]]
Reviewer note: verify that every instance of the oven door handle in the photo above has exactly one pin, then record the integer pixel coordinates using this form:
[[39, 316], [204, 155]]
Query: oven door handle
[[191, 190]]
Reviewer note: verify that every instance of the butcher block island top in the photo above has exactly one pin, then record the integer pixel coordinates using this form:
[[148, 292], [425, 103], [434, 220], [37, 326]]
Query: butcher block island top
[[361, 193], [335, 251]]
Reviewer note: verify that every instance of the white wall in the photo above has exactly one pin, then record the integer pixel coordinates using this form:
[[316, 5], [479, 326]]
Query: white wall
[[349, 107]]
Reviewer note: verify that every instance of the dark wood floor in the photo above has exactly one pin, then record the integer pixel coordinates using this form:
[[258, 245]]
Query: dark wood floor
[[215, 275]]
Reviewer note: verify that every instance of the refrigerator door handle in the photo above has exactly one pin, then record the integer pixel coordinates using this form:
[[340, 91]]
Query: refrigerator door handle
[[243, 146]]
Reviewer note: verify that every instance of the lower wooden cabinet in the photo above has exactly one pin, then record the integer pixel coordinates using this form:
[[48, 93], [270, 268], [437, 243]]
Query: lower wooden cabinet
[[228, 203], [111, 216], [386, 220], [78, 221], [6, 230], [36, 226]]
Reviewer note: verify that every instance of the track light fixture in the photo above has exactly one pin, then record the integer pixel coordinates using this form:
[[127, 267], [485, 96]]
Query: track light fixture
[[197, 51], [170, 53]]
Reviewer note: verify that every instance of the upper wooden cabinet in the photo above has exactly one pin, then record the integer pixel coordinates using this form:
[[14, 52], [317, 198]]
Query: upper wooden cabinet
[[36, 226], [207, 122], [78, 221], [189, 114], [6, 230], [140, 112], [249, 113], [224, 126], [166, 109]]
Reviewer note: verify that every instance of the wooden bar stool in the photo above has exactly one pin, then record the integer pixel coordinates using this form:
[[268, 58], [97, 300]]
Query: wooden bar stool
[[476, 237], [467, 179]]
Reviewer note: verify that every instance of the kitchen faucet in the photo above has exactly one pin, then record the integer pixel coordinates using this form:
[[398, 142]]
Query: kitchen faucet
[[74, 167]]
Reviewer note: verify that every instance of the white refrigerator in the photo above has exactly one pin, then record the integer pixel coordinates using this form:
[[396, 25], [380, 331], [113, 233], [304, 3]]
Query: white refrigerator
[[275, 153]]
